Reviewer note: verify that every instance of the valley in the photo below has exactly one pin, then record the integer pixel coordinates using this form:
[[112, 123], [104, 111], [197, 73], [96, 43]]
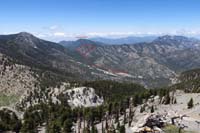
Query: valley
[[88, 86]]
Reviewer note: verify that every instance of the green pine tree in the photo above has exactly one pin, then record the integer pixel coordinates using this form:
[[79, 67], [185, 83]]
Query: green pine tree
[[152, 109], [67, 127], [190, 104], [122, 129]]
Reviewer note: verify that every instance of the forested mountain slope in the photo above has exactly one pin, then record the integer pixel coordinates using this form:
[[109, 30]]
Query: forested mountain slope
[[153, 64]]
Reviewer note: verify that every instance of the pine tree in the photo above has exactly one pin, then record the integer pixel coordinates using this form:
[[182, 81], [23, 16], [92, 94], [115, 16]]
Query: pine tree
[[130, 116], [94, 129], [122, 129], [136, 100], [86, 130], [175, 102], [152, 109], [125, 116], [118, 126], [167, 98], [190, 103], [67, 127], [142, 109], [54, 128], [110, 109]]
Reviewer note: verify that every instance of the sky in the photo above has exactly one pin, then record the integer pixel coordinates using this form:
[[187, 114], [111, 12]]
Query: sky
[[69, 19]]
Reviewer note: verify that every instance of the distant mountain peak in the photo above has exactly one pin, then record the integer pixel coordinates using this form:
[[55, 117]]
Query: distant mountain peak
[[26, 38], [172, 37], [177, 41], [80, 43], [24, 34], [85, 41], [124, 40]]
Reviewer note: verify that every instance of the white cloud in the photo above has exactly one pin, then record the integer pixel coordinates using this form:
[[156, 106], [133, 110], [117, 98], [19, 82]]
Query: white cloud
[[59, 34], [120, 34], [188, 32], [62, 35], [53, 27], [7, 33]]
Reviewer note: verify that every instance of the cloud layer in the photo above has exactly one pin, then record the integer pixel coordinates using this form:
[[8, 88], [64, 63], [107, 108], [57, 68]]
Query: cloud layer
[[58, 33]]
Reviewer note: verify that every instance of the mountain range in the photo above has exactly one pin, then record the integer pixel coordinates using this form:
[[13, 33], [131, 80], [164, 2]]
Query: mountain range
[[124, 40], [49, 87], [153, 64]]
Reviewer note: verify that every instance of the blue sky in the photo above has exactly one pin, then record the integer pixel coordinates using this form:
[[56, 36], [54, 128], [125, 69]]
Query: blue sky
[[67, 19]]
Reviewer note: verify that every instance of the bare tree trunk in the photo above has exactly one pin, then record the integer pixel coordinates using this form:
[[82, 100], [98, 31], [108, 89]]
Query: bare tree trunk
[[130, 115], [125, 117], [102, 128], [106, 124], [84, 123], [79, 125]]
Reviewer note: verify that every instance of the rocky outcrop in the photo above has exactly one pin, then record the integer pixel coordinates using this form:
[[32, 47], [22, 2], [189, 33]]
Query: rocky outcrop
[[15, 79], [149, 123], [171, 114], [83, 97], [64, 93]]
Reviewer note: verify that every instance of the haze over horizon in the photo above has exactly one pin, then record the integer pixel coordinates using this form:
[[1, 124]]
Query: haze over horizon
[[71, 19]]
